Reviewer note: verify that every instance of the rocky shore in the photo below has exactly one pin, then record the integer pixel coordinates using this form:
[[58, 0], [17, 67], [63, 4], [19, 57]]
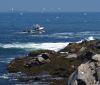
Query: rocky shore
[[76, 64]]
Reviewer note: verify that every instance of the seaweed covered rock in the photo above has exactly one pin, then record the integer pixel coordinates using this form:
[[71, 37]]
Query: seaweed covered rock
[[37, 52], [32, 59], [57, 67]]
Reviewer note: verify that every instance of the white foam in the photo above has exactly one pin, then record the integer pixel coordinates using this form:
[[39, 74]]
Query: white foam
[[50, 46], [6, 60], [4, 76], [10, 76], [80, 41], [90, 38]]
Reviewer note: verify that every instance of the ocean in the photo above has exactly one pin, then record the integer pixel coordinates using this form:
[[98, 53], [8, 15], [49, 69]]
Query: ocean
[[60, 29]]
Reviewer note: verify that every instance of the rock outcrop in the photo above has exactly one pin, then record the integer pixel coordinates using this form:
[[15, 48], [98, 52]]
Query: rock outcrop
[[85, 73], [88, 72], [76, 64]]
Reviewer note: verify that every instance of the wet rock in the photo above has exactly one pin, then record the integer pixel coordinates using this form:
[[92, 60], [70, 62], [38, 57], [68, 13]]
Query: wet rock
[[38, 60], [83, 58], [87, 55], [72, 56], [82, 49], [57, 67], [80, 82], [71, 48], [38, 52], [92, 45]]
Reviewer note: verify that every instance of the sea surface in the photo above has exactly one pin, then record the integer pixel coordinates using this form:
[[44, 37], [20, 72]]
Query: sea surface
[[60, 29]]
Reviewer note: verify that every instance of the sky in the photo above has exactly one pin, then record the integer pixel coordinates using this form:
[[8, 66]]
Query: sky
[[50, 5]]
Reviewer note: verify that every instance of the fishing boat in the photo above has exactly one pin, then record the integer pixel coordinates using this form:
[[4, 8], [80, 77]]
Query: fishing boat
[[35, 29]]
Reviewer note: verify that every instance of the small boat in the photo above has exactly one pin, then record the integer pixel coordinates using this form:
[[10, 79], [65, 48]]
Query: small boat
[[35, 29]]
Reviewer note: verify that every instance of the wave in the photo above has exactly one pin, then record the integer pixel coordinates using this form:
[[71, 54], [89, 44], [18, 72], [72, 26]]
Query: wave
[[12, 78], [36, 46], [9, 76], [88, 39], [4, 76], [5, 60], [50, 46], [66, 35]]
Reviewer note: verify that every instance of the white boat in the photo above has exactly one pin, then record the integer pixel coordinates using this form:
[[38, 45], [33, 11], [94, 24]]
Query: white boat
[[36, 29]]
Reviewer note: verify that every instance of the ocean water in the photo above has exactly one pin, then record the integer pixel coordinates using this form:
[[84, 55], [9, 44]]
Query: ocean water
[[60, 29]]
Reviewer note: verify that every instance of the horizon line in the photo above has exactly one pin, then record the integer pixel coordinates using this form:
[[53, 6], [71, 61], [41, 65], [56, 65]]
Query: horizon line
[[50, 12]]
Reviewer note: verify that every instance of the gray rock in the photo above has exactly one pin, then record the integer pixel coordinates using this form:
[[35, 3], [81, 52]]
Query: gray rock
[[98, 73], [86, 74], [82, 49], [72, 56], [72, 79], [96, 57]]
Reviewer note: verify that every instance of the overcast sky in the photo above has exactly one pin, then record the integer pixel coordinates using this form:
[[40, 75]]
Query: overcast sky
[[50, 5]]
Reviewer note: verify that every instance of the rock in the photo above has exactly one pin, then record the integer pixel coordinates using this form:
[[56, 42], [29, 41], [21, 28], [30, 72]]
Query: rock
[[81, 58], [86, 74], [96, 57], [57, 67], [38, 52], [43, 58], [71, 48], [97, 46], [82, 49], [98, 73], [87, 55], [92, 45], [38, 60], [72, 79], [72, 56]]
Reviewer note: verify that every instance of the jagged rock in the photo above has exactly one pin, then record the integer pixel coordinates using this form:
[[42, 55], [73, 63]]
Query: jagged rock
[[92, 46], [86, 55], [63, 63], [86, 73], [71, 48]]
